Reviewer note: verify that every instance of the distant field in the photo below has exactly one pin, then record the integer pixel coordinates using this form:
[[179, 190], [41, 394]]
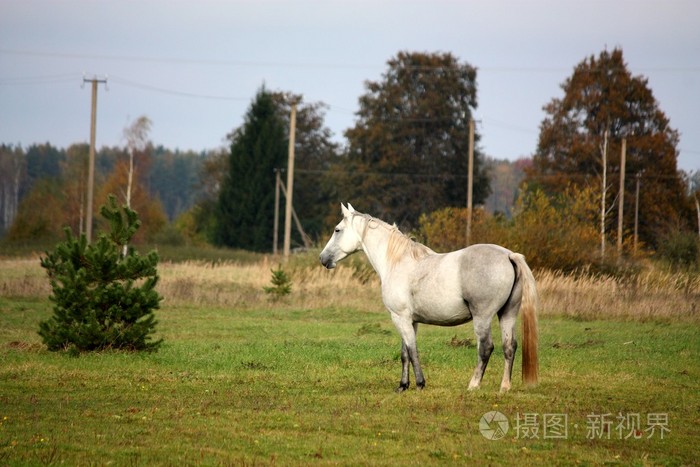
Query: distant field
[[244, 380], [19, 250]]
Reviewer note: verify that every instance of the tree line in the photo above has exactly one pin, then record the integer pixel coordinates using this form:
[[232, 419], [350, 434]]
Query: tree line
[[43, 186], [405, 157]]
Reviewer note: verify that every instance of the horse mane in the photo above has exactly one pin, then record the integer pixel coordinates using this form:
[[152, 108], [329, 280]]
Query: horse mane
[[400, 244]]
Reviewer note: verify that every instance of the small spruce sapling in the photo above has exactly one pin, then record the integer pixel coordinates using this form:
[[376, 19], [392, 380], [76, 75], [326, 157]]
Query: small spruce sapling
[[281, 284], [102, 297]]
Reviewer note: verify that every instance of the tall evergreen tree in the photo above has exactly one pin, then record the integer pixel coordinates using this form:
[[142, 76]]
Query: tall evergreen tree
[[315, 153], [245, 208], [408, 150]]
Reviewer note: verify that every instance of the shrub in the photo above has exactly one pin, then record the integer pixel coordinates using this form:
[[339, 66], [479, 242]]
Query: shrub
[[557, 233], [103, 293], [681, 250], [445, 229]]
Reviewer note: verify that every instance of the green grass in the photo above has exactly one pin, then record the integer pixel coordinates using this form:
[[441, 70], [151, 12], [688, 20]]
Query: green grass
[[300, 386]]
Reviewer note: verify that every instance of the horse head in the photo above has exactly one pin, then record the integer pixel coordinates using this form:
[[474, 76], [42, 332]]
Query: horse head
[[344, 241]]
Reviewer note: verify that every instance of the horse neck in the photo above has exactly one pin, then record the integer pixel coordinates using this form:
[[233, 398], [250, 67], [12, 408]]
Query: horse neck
[[375, 242]]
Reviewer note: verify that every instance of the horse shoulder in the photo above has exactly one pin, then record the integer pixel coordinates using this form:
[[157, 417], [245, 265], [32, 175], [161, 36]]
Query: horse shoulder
[[395, 293]]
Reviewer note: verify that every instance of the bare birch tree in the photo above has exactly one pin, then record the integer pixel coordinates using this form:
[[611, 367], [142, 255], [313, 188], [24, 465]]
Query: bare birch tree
[[136, 136]]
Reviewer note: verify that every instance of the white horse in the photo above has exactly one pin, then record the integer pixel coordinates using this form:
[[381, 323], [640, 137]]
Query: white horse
[[421, 286]]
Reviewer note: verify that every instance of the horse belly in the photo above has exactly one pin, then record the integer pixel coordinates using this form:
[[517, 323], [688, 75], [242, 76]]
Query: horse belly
[[440, 305]]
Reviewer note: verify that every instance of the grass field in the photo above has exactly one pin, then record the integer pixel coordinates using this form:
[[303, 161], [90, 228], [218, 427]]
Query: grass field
[[244, 380]]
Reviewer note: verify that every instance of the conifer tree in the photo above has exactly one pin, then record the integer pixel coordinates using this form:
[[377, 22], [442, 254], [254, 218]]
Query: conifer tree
[[281, 284], [245, 208], [103, 299]]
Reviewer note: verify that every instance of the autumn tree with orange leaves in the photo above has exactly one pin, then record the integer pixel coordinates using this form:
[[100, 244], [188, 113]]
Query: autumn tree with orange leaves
[[602, 95]]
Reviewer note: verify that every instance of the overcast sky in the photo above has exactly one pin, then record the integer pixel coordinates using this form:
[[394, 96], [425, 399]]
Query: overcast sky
[[193, 67]]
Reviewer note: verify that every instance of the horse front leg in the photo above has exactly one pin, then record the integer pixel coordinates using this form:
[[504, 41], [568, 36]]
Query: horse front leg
[[409, 353], [413, 356], [404, 383]]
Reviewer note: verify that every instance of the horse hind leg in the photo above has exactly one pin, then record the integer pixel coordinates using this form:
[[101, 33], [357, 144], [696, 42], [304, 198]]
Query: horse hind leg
[[507, 320], [482, 329]]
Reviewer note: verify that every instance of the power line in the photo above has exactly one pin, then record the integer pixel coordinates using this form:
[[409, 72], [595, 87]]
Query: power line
[[45, 79], [69, 77], [437, 176], [173, 92], [185, 61], [579, 176], [339, 66], [508, 126]]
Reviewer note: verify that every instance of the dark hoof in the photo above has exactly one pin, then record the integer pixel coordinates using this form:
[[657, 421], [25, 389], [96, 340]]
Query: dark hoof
[[420, 385], [402, 387]]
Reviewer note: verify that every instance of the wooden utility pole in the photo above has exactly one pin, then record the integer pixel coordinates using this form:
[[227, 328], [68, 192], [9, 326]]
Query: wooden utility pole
[[621, 199], [91, 164], [275, 233], [290, 182], [636, 211], [470, 181], [602, 198], [304, 237]]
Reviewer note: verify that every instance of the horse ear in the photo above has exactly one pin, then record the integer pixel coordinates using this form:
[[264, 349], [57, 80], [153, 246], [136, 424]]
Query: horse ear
[[345, 210], [350, 208]]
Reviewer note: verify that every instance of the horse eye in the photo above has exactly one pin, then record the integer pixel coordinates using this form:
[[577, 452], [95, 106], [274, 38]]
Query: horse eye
[[337, 230]]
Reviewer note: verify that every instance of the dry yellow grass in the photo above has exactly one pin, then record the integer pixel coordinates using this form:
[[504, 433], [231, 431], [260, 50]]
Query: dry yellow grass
[[241, 285], [650, 295], [226, 284], [23, 278]]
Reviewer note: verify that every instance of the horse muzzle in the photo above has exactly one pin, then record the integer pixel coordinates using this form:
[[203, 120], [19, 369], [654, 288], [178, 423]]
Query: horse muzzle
[[327, 261]]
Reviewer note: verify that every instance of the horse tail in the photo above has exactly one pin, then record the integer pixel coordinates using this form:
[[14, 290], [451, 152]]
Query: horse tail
[[528, 307]]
